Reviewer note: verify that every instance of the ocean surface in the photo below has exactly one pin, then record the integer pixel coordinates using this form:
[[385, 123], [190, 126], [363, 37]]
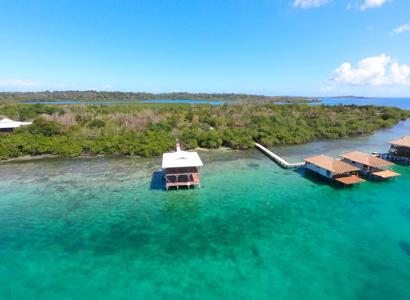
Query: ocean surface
[[104, 228], [403, 103]]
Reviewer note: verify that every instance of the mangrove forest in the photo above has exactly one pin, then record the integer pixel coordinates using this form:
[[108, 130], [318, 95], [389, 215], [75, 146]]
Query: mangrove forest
[[151, 129]]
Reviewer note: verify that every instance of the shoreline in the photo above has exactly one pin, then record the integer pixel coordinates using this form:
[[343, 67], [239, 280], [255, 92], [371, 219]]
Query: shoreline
[[279, 148], [46, 156], [88, 156], [29, 158]]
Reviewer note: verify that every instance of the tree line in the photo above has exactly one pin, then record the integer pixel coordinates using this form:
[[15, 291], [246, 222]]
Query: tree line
[[151, 129], [91, 96]]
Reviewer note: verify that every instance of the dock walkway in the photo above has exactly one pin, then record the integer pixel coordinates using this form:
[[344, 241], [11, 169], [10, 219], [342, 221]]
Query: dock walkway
[[279, 160]]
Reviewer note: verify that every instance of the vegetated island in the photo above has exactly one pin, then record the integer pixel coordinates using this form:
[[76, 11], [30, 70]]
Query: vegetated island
[[151, 129], [98, 96], [349, 97]]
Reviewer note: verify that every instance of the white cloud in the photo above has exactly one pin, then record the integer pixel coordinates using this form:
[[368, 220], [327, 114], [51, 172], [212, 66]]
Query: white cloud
[[101, 88], [23, 85], [401, 29], [31, 85], [375, 70], [106, 87], [327, 88], [18, 83], [310, 3], [372, 4]]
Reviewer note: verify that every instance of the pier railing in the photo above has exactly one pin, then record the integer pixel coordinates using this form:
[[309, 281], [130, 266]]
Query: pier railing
[[279, 160]]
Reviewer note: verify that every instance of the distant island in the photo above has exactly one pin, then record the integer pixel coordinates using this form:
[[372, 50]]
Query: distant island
[[352, 97], [95, 96]]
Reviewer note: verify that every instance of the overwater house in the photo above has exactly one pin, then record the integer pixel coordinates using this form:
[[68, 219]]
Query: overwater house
[[400, 150], [7, 125], [333, 169], [181, 168], [370, 165]]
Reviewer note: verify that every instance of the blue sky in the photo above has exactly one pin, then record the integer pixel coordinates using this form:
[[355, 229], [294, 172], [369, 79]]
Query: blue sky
[[273, 47]]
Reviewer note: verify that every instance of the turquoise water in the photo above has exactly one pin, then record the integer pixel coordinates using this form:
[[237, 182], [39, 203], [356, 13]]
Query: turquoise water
[[104, 229]]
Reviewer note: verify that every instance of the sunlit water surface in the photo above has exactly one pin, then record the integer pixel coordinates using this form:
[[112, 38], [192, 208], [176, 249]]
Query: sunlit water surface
[[105, 229]]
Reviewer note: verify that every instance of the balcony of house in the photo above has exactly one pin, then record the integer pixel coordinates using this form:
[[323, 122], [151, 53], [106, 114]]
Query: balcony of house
[[181, 177]]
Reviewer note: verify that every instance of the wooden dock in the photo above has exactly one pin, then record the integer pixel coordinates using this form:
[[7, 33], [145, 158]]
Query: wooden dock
[[279, 160]]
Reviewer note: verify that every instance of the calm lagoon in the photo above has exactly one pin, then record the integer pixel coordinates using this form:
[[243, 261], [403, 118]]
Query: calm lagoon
[[104, 228], [403, 103]]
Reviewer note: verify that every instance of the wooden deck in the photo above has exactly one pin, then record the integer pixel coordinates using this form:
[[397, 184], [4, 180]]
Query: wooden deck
[[181, 180], [349, 180], [385, 174]]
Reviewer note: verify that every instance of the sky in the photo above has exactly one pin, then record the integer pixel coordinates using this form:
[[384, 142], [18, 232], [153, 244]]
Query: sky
[[271, 47]]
